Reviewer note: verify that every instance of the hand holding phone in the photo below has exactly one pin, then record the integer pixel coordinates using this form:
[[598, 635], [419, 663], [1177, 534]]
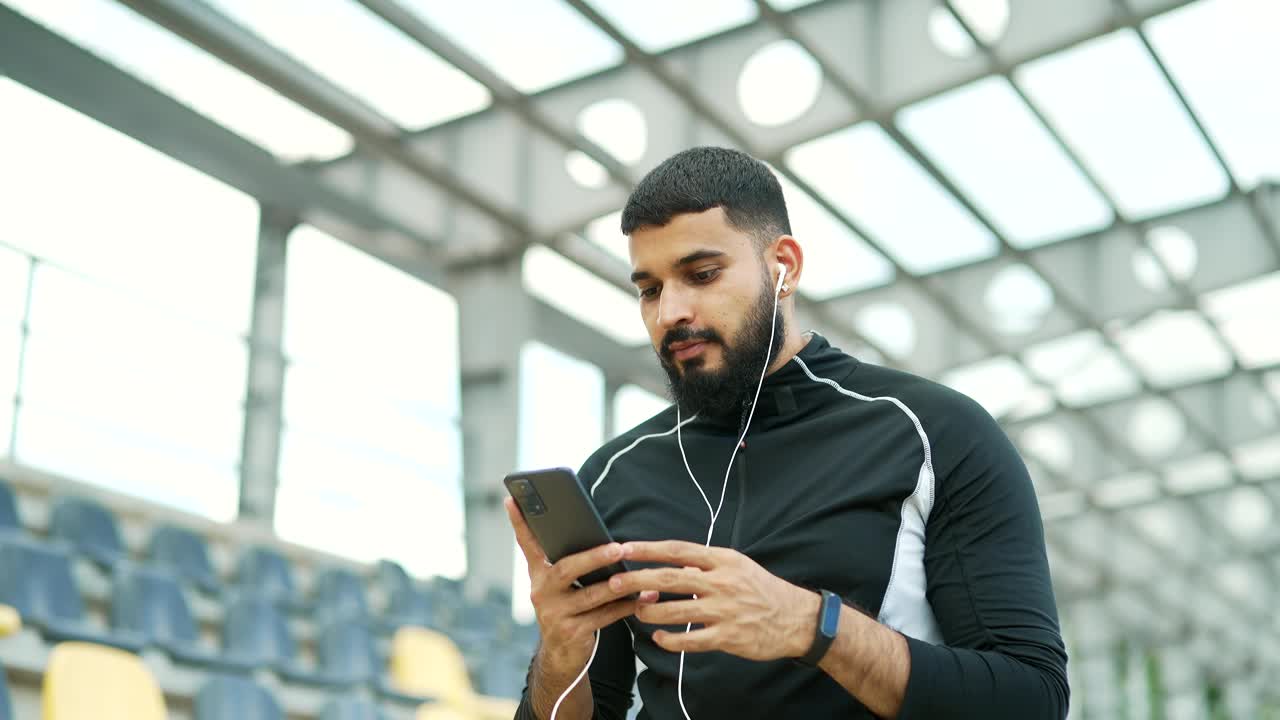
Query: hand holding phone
[[551, 507]]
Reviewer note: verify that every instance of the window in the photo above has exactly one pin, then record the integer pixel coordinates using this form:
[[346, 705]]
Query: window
[[633, 405], [561, 424], [659, 25], [371, 442], [579, 294], [135, 365]]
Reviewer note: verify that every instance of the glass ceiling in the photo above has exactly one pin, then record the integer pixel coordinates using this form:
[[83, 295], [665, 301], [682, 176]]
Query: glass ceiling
[[201, 81], [539, 43], [360, 53], [1128, 161]]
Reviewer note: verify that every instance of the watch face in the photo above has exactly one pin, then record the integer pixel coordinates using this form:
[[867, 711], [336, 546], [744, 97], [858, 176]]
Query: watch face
[[830, 615]]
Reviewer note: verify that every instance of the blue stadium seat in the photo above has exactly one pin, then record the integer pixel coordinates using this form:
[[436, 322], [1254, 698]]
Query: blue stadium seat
[[235, 698], [9, 521], [36, 580], [6, 706], [184, 554], [150, 603], [391, 576], [347, 654], [90, 528], [349, 708], [266, 572], [256, 631], [340, 595], [480, 624], [503, 673], [411, 606]]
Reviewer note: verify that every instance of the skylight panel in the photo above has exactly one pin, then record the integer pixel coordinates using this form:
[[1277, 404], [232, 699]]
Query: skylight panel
[[533, 44], [999, 384], [836, 259], [657, 25], [580, 294], [1175, 347], [606, 232], [365, 56], [1222, 53], [1082, 370], [1201, 473], [990, 144], [870, 179], [191, 76], [1110, 103], [1246, 314]]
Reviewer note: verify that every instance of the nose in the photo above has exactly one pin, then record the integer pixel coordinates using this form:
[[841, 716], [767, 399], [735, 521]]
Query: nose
[[675, 307]]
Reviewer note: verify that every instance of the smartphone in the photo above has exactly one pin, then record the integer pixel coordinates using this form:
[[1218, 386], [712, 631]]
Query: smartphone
[[562, 516]]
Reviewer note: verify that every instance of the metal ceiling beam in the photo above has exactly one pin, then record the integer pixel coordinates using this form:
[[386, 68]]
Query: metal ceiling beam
[[59, 69], [1082, 315], [206, 28], [709, 114]]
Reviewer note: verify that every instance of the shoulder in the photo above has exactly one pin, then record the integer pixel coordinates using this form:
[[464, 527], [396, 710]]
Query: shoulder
[[951, 422]]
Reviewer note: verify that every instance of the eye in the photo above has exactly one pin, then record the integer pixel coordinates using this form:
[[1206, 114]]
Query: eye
[[648, 293], [705, 276]]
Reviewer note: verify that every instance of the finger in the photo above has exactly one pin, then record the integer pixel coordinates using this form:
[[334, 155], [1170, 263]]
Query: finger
[[701, 640], [675, 552], [592, 596], [675, 580], [679, 612], [572, 567], [524, 537], [607, 615]]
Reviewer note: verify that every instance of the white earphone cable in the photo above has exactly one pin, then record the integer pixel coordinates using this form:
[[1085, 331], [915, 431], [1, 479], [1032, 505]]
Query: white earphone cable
[[715, 513]]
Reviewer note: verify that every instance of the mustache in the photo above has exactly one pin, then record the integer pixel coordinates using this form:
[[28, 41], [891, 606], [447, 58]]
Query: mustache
[[685, 334]]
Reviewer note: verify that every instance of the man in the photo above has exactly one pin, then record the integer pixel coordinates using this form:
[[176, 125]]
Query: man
[[876, 547]]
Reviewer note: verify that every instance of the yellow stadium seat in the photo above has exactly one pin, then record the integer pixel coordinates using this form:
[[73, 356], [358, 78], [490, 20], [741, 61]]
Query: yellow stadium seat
[[10, 621], [426, 662], [95, 682]]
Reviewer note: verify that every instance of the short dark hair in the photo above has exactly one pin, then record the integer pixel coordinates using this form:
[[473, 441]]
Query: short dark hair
[[701, 178]]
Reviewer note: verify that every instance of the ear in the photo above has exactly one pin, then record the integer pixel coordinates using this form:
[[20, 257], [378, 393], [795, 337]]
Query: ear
[[787, 254]]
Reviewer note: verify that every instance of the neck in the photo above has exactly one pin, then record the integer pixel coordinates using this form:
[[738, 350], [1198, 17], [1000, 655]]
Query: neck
[[791, 346]]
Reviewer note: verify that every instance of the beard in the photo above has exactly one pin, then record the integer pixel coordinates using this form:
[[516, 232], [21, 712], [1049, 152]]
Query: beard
[[722, 392]]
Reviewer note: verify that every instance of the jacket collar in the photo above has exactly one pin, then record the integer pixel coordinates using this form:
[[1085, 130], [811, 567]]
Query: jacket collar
[[789, 388]]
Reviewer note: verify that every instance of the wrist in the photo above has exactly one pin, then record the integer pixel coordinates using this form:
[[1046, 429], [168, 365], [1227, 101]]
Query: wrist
[[806, 610]]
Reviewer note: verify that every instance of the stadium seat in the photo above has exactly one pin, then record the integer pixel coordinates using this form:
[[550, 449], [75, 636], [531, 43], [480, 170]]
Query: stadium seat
[[36, 580], [339, 595], [348, 655], [256, 631], [349, 708], [502, 674], [235, 698], [9, 521], [90, 528], [6, 706], [84, 681], [412, 606], [391, 576], [184, 554], [482, 624], [426, 662], [266, 572], [10, 621], [149, 602]]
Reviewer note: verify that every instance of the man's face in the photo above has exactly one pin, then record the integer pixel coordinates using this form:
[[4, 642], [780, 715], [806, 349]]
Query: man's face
[[707, 302]]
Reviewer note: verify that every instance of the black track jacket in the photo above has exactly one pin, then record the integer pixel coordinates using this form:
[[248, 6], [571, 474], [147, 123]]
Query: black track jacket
[[898, 494]]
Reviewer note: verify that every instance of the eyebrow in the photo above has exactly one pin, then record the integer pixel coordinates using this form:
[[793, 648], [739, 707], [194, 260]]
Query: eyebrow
[[692, 257]]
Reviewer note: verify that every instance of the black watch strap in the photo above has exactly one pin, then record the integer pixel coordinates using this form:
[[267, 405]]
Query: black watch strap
[[826, 628]]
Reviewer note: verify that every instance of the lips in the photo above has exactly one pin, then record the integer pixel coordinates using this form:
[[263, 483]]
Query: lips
[[686, 349]]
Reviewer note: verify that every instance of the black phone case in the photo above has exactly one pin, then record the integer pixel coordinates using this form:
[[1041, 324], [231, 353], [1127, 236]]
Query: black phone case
[[569, 522]]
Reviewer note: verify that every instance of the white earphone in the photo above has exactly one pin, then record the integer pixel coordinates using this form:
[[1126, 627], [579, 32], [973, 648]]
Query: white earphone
[[778, 289]]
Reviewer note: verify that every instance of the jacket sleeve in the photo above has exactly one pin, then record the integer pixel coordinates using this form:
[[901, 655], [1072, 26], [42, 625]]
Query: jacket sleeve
[[989, 587], [612, 675]]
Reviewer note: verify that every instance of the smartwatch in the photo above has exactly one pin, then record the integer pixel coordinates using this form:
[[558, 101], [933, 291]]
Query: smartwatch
[[825, 633]]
